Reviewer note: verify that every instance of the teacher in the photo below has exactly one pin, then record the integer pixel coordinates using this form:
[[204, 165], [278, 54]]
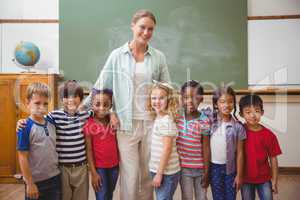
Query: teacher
[[128, 72]]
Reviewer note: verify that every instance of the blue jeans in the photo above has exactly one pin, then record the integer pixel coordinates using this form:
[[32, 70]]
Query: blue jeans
[[221, 183], [49, 189], [264, 191], [109, 178], [168, 186]]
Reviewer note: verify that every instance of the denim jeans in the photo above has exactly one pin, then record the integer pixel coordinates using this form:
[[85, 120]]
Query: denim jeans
[[49, 189], [109, 177], [264, 191], [168, 186], [221, 183]]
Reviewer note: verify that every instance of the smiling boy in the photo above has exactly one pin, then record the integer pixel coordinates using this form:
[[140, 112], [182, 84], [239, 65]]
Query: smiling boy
[[261, 150]]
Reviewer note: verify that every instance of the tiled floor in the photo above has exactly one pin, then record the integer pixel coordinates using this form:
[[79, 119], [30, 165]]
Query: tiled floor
[[289, 189]]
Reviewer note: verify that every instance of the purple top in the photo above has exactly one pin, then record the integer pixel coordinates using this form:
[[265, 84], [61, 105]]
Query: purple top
[[235, 131]]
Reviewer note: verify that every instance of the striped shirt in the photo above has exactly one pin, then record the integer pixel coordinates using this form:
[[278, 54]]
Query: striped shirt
[[70, 142], [189, 140], [163, 127]]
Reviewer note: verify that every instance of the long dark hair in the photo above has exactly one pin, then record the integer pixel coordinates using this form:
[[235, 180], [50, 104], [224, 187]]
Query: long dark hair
[[217, 94]]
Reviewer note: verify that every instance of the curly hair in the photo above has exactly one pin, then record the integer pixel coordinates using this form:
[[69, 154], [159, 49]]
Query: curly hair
[[173, 99]]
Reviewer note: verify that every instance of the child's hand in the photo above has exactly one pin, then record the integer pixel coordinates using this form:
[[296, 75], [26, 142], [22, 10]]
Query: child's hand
[[21, 124], [96, 182], [205, 181], [274, 187], [114, 121], [156, 182], [237, 183], [32, 191]]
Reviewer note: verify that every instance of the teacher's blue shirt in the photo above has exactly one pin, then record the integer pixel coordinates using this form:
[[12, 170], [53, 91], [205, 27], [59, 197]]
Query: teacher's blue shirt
[[118, 75]]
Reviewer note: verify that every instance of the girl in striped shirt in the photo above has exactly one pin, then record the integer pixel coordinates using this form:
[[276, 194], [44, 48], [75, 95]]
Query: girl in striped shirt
[[164, 160], [193, 143]]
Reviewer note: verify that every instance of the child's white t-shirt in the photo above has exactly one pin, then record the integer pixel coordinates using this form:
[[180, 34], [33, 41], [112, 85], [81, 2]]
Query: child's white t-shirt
[[218, 145], [162, 127]]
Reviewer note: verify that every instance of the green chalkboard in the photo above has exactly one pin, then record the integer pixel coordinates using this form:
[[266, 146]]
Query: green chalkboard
[[205, 40]]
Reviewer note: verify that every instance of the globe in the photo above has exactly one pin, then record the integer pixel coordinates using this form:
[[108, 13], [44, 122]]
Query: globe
[[27, 54]]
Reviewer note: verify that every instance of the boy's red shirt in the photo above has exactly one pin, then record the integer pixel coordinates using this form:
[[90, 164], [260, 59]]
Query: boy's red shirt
[[259, 147]]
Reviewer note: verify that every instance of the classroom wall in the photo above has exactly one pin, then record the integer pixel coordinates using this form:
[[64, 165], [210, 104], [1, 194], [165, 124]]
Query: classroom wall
[[273, 53], [273, 44], [273, 59], [44, 35], [28, 9], [273, 7], [283, 119]]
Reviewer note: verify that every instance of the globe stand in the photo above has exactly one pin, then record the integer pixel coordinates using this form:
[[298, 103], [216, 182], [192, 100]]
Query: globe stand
[[28, 71]]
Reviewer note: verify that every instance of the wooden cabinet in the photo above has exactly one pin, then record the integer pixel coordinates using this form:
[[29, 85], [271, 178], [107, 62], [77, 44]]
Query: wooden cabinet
[[13, 107]]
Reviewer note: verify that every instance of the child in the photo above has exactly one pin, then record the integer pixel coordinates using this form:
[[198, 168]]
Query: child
[[261, 146], [70, 142], [102, 148], [36, 148], [193, 143], [164, 161], [227, 143]]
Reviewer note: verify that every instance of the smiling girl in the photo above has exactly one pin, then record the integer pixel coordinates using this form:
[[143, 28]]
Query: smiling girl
[[164, 160]]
